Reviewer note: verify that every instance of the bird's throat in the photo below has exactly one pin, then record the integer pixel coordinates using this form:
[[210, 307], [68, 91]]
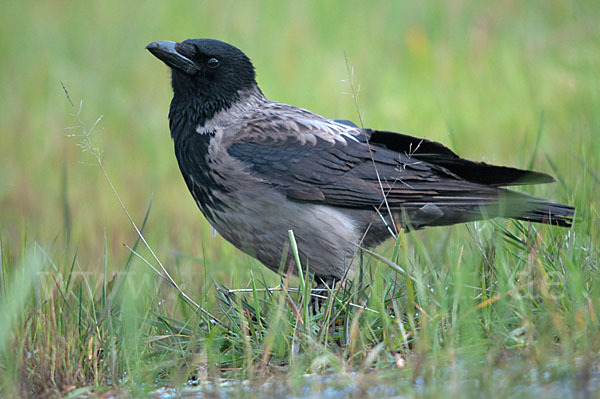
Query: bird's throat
[[186, 116]]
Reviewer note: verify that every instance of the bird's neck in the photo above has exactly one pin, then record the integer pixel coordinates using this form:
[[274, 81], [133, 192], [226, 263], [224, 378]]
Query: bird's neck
[[188, 113]]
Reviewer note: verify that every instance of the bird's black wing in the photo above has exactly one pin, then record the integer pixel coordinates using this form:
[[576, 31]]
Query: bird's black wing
[[363, 169], [436, 153], [348, 172]]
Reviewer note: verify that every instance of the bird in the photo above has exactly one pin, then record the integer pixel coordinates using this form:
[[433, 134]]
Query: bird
[[258, 168]]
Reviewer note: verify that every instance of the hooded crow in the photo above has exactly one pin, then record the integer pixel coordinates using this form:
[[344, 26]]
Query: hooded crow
[[259, 168]]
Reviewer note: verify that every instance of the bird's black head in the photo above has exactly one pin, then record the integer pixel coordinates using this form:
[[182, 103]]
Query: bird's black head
[[207, 75]]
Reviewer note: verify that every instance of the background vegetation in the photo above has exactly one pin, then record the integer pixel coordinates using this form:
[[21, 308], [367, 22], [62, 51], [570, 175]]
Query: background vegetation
[[509, 82]]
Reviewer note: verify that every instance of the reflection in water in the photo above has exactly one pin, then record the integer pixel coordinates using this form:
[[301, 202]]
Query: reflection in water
[[502, 384]]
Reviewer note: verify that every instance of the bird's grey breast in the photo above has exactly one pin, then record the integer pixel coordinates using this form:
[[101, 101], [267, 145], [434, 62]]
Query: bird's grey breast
[[255, 214]]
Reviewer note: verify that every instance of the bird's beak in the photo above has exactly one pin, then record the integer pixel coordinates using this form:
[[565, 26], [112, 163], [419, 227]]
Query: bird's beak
[[167, 52]]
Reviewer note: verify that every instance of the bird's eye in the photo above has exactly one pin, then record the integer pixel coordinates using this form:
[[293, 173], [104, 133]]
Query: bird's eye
[[212, 63]]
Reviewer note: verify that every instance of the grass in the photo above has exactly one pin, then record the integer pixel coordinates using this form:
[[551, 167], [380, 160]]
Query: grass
[[493, 308]]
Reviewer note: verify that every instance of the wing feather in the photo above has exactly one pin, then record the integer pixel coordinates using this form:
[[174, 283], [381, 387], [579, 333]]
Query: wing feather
[[344, 172]]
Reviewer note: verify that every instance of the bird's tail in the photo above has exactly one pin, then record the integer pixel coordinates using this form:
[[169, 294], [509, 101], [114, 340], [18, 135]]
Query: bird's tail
[[462, 208], [541, 211], [520, 206]]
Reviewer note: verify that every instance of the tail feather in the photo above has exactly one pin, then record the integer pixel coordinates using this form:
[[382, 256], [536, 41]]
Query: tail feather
[[521, 206], [549, 213], [443, 211]]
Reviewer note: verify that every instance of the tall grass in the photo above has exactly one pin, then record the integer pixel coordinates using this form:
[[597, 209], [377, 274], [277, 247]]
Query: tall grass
[[497, 308]]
